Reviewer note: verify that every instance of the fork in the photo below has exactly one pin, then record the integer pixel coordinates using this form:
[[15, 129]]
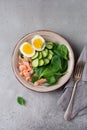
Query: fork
[[77, 77]]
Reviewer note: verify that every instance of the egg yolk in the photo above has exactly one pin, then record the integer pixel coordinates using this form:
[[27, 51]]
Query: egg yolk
[[38, 43], [27, 48]]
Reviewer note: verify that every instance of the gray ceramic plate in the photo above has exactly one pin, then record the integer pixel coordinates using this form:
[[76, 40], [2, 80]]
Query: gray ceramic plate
[[48, 36]]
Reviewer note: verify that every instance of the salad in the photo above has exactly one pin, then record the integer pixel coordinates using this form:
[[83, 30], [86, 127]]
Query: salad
[[42, 61]]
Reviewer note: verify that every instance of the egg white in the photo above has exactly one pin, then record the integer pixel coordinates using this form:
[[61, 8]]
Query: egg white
[[42, 39], [26, 55]]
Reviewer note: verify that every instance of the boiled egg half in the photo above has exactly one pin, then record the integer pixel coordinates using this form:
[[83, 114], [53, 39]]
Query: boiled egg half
[[38, 43], [27, 50]]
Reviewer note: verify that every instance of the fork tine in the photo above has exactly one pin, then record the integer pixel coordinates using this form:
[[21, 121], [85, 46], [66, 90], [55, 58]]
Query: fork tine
[[76, 69], [79, 69]]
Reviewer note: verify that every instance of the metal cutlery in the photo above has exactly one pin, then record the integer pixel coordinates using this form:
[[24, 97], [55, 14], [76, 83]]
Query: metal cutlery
[[77, 77]]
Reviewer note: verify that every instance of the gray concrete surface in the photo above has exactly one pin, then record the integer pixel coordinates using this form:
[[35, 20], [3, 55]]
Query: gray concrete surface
[[17, 18]]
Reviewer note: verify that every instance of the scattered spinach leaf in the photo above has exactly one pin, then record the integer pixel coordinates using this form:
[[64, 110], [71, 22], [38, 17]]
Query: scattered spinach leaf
[[20, 100]]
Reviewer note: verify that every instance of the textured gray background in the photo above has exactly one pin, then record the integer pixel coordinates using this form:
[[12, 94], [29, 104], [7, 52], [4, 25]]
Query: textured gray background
[[17, 18]]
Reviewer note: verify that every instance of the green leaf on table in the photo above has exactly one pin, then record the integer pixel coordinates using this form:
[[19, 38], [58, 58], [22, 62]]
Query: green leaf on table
[[20, 100]]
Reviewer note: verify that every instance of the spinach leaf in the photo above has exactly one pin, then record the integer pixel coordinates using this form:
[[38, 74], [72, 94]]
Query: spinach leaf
[[57, 52], [55, 46], [46, 72], [38, 71], [64, 51], [51, 80], [61, 50], [20, 100], [35, 78], [56, 63], [64, 65], [59, 74], [54, 66]]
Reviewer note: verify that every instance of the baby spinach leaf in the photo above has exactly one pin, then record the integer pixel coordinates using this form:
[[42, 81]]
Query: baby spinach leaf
[[57, 52], [55, 63], [59, 74], [54, 66], [64, 65], [64, 51], [55, 46], [20, 100], [35, 78], [46, 72], [51, 80], [39, 70]]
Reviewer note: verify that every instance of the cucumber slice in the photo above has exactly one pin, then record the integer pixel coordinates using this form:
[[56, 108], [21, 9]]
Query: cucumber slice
[[49, 56], [41, 62], [46, 50], [35, 56], [50, 51], [40, 55], [45, 53], [49, 45], [35, 62], [46, 61]]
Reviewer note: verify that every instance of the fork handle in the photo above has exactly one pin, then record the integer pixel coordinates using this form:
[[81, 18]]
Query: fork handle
[[67, 115]]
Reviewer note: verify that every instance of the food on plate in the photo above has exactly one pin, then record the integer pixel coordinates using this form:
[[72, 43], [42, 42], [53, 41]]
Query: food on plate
[[42, 62], [38, 42], [27, 50]]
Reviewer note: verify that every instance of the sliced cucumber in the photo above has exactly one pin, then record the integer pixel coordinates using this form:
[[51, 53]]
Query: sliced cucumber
[[45, 53], [49, 45], [41, 62], [43, 57], [40, 55], [46, 50], [50, 51], [35, 62], [50, 56], [35, 56], [46, 61]]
